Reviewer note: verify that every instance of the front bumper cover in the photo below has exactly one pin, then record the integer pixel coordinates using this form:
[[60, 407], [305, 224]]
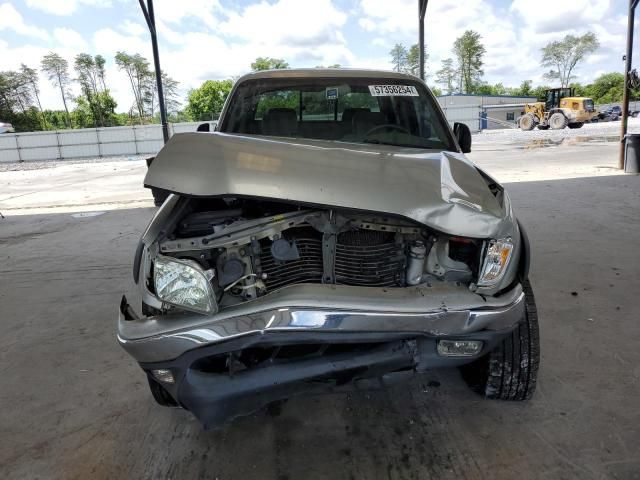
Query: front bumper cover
[[434, 310], [342, 349]]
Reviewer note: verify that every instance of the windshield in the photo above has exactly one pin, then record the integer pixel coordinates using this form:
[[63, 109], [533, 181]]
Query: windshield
[[361, 110]]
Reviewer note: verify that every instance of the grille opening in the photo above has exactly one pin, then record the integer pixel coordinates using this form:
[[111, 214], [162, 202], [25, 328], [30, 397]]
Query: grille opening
[[362, 258]]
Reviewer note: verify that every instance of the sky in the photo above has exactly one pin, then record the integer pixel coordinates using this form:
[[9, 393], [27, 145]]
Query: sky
[[217, 39]]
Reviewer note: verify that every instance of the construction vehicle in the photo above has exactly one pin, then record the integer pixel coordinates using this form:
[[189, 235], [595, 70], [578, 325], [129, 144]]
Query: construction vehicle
[[559, 109]]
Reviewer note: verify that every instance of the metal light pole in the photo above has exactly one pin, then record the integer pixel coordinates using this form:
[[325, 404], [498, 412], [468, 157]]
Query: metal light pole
[[151, 23], [422, 10], [627, 68]]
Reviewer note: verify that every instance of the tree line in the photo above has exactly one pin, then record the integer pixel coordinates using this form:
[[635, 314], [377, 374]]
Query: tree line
[[94, 106], [463, 72]]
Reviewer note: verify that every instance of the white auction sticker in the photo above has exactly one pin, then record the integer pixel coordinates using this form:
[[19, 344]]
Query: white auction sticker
[[393, 91]]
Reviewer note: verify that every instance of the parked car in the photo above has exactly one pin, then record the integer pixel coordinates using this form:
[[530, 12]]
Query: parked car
[[330, 235], [608, 114], [6, 127], [616, 111]]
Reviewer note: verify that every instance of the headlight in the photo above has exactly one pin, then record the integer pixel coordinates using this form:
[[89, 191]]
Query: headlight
[[496, 260], [184, 284]]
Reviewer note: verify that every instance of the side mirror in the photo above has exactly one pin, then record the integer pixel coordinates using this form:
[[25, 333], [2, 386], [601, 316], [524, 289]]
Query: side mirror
[[463, 134], [203, 127]]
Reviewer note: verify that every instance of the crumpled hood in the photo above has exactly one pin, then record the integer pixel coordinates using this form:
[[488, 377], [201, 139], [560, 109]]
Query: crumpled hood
[[442, 190]]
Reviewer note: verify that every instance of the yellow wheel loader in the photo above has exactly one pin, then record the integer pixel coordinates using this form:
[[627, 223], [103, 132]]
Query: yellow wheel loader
[[560, 109]]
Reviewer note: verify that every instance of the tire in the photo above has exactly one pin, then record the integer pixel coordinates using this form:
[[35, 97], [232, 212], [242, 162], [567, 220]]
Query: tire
[[160, 395], [510, 371], [543, 127], [558, 121], [576, 125], [527, 122]]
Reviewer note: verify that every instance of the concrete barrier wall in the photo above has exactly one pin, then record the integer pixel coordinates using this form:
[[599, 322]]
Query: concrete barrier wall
[[87, 142], [132, 140]]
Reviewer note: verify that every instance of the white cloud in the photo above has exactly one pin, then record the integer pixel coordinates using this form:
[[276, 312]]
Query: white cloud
[[31, 55], [548, 16], [69, 38], [10, 19], [287, 22], [199, 39], [176, 11], [397, 22], [133, 28], [65, 7], [388, 17]]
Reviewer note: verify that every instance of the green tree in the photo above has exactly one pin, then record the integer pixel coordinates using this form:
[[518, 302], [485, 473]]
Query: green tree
[[206, 101], [469, 51], [86, 115], [525, 90], [57, 69], [30, 77], [413, 60], [56, 119], [170, 89], [399, 57], [267, 63], [15, 92], [487, 89], [436, 91], [171, 94], [137, 69], [100, 63], [607, 88], [446, 76], [540, 92], [89, 79], [564, 55]]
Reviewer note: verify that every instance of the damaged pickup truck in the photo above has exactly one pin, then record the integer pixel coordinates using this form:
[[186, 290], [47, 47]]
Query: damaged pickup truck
[[330, 235]]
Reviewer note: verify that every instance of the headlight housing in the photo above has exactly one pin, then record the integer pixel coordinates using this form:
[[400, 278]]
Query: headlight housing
[[495, 262], [184, 284]]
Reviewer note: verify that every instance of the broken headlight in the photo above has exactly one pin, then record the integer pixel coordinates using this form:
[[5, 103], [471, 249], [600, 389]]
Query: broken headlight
[[184, 284], [495, 262]]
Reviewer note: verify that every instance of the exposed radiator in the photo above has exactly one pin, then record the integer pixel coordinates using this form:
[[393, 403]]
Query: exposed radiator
[[363, 258]]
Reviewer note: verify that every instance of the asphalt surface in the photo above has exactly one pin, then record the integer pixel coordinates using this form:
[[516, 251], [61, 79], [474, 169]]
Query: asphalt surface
[[75, 406]]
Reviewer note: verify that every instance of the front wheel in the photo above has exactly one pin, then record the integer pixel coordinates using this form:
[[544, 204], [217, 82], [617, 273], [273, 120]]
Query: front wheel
[[510, 371], [527, 122], [557, 121]]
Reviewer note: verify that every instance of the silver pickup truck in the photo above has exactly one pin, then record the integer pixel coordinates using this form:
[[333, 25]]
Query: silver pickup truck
[[329, 235]]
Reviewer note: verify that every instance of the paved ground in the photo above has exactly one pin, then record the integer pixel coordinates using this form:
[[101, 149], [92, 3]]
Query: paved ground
[[76, 407]]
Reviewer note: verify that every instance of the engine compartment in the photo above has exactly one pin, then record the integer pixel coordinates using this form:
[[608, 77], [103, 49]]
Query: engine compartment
[[252, 247]]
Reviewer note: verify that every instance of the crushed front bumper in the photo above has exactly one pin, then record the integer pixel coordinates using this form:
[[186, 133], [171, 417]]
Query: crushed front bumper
[[241, 359]]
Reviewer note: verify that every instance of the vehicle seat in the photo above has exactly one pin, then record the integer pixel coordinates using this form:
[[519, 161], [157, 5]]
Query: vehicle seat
[[364, 121], [348, 113], [281, 122]]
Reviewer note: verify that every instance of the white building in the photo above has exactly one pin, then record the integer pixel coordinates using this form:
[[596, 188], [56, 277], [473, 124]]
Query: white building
[[482, 112]]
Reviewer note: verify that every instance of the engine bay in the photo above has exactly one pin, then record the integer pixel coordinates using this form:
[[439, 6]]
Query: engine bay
[[251, 247]]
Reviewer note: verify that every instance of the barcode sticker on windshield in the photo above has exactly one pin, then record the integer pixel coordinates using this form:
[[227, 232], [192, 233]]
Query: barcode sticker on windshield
[[393, 91]]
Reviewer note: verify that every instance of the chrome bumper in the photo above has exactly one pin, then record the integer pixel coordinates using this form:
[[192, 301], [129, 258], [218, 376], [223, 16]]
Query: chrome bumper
[[433, 311]]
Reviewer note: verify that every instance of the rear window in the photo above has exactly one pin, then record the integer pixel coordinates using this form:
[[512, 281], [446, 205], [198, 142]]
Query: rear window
[[360, 110]]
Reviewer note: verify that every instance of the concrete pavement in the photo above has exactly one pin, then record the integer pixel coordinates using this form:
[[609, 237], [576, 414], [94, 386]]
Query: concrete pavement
[[75, 406]]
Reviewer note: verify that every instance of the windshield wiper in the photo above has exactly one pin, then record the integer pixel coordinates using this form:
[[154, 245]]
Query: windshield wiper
[[380, 142]]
